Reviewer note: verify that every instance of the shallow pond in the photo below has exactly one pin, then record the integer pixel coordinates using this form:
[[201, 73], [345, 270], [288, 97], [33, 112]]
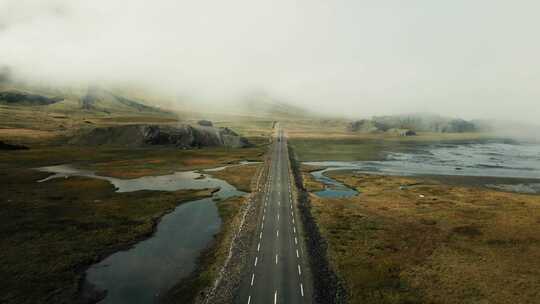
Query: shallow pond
[[143, 272], [332, 188], [490, 159]]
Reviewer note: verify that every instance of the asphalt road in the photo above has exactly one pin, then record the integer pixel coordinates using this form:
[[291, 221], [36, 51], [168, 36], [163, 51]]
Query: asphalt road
[[277, 272]]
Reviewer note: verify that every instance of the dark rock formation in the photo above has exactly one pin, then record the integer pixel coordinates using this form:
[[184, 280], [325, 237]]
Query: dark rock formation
[[205, 123], [366, 126], [182, 136], [6, 146], [402, 132], [15, 98]]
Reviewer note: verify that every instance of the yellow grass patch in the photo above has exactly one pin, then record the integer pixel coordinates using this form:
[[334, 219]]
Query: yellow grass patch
[[431, 242]]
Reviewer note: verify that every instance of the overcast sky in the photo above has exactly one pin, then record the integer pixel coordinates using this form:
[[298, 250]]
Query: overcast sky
[[468, 58]]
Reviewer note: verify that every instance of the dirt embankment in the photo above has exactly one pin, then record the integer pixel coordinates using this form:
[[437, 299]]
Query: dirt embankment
[[327, 286]]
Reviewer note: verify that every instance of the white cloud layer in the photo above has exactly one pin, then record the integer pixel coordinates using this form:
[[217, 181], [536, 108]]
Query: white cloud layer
[[474, 59]]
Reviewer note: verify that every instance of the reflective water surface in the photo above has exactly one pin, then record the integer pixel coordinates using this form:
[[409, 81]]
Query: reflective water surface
[[151, 267], [492, 159]]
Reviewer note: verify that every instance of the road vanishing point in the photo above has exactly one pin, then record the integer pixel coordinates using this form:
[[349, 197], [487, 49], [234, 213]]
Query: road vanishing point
[[277, 271]]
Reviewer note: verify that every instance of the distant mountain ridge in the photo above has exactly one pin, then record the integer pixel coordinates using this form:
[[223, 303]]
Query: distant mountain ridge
[[265, 105], [103, 100], [93, 99]]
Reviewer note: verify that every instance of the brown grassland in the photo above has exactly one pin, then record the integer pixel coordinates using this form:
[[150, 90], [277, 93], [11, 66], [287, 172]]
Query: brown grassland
[[50, 232], [238, 176], [432, 242]]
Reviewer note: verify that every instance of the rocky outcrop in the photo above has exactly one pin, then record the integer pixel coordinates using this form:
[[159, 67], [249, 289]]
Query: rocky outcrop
[[366, 126], [408, 125], [205, 123], [16, 98], [402, 132], [182, 136], [6, 146]]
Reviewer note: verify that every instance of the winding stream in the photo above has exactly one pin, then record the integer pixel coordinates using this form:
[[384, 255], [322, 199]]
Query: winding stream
[[332, 188], [151, 267]]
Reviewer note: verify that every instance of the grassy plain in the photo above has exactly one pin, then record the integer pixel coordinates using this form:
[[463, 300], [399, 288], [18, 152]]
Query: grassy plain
[[238, 176], [432, 242], [127, 163], [328, 139], [51, 231], [363, 147]]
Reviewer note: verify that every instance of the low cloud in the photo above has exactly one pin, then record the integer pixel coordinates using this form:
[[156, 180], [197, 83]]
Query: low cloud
[[355, 58]]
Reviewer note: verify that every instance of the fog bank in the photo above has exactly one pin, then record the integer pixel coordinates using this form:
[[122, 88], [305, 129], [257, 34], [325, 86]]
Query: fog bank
[[472, 59]]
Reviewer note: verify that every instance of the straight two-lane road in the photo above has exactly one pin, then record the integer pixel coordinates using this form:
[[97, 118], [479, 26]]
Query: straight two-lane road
[[277, 272]]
